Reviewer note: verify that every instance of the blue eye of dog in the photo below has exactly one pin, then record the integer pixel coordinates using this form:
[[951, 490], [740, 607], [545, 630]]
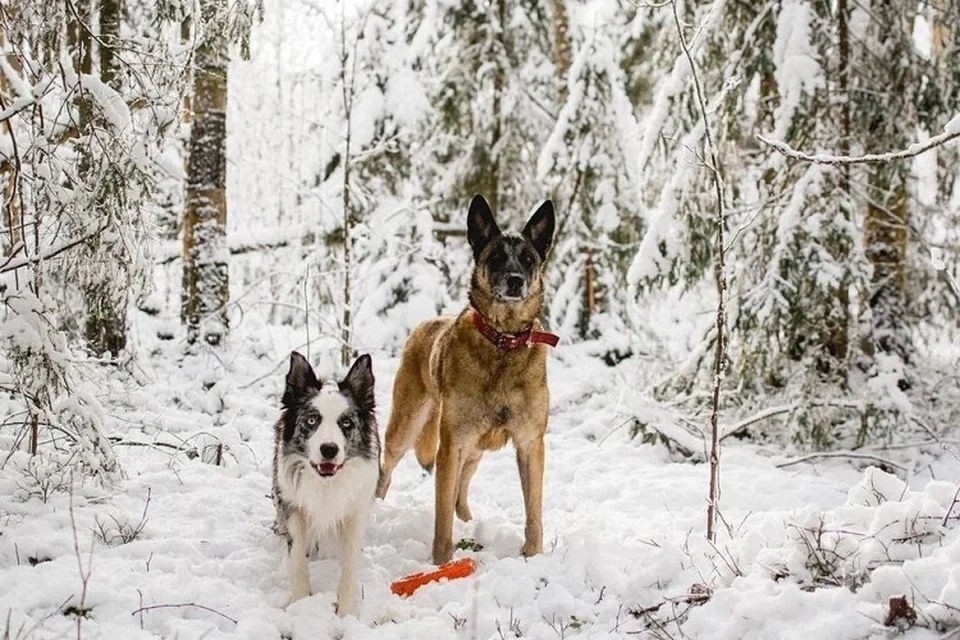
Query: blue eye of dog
[[346, 424], [312, 421]]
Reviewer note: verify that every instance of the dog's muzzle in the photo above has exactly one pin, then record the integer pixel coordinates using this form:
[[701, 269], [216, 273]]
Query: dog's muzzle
[[512, 287]]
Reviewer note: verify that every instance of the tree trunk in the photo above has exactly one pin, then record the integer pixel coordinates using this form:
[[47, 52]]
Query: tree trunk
[[835, 336], [589, 303], [561, 47], [346, 324], [887, 206], [499, 85], [110, 12], [205, 275], [10, 176], [105, 327], [885, 239]]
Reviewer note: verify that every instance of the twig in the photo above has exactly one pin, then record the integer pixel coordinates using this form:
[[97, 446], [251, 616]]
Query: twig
[[84, 574], [871, 158], [839, 454], [956, 497], [182, 605]]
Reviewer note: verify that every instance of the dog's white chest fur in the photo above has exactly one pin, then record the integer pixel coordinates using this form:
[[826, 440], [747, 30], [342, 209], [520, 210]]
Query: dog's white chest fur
[[325, 502]]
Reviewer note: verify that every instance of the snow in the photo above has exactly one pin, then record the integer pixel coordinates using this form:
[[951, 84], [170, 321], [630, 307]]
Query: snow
[[180, 546], [953, 127], [623, 526], [797, 72]]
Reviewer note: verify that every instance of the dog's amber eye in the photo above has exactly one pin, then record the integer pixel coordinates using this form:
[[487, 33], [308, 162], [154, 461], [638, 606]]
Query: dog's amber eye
[[526, 259]]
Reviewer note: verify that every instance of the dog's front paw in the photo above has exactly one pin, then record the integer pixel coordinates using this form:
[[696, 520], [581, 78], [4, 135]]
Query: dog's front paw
[[347, 607], [531, 548], [299, 591]]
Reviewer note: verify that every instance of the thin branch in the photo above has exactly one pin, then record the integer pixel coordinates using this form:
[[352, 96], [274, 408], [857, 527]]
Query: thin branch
[[11, 264], [915, 149], [770, 412], [840, 454], [956, 498], [180, 606]]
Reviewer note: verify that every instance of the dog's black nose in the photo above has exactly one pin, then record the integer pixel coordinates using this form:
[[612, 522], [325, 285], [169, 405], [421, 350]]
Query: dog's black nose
[[514, 283], [329, 451]]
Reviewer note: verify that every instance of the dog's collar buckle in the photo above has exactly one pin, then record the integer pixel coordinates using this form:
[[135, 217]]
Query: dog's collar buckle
[[506, 341]]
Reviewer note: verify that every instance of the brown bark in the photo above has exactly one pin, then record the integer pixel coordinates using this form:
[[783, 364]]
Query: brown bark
[[561, 47], [205, 273], [10, 178], [499, 84], [186, 106], [885, 239], [589, 291]]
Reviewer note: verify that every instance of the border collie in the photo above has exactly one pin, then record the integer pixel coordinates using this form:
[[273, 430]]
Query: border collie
[[327, 457]]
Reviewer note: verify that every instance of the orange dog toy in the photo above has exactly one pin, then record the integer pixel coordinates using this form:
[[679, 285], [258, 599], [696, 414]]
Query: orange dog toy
[[459, 568]]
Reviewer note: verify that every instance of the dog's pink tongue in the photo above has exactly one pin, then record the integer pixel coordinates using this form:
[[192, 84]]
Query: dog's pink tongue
[[326, 468]]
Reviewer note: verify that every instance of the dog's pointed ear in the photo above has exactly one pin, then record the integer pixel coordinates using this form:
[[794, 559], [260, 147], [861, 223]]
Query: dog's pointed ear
[[481, 227], [359, 383], [300, 378], [539, 229]]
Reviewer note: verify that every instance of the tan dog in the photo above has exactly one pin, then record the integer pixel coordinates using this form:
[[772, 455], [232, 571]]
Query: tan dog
[[470, 383]]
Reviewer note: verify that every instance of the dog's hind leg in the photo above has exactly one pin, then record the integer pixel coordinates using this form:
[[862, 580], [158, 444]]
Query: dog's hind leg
[[412, 409], [299, 545], [426, 445], [463, 487], [351, 539]]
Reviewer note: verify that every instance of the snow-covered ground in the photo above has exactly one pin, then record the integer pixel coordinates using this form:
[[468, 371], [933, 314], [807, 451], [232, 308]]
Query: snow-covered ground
[[623, 521]]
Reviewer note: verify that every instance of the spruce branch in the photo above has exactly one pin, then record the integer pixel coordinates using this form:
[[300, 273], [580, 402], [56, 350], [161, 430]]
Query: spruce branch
[[719, 363]]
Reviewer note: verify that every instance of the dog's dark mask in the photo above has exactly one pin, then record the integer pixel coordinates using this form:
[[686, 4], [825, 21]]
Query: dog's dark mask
[[511, 261]]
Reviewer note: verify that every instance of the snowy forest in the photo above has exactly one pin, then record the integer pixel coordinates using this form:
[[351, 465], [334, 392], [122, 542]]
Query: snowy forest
[[754, 424]]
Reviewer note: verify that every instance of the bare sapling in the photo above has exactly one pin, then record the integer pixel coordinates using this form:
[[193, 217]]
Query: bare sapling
[[720, 356]]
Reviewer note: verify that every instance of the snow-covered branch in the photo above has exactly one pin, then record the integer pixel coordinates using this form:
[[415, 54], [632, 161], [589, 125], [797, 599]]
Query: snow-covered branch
[[950, 132]]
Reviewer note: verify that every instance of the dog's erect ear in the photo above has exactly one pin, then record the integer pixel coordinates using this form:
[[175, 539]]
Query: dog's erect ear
[[481, 227], [359, 383], [300, 378], [539, 229]]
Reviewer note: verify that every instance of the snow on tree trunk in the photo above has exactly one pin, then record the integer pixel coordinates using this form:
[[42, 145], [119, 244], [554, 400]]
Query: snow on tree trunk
[[105, 326], [205, 275]]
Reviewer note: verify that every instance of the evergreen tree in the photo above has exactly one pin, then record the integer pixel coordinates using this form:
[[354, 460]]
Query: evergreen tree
[[819, 308], [487, 68], [587, 160]]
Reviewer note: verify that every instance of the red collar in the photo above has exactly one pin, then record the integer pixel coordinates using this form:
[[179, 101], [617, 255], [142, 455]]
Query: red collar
[[511, 341]]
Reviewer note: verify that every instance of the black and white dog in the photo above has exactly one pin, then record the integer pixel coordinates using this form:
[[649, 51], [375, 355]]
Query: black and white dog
[[327, 457]]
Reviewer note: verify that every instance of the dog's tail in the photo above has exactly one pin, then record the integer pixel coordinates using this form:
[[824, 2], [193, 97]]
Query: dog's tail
[[427, 442]]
